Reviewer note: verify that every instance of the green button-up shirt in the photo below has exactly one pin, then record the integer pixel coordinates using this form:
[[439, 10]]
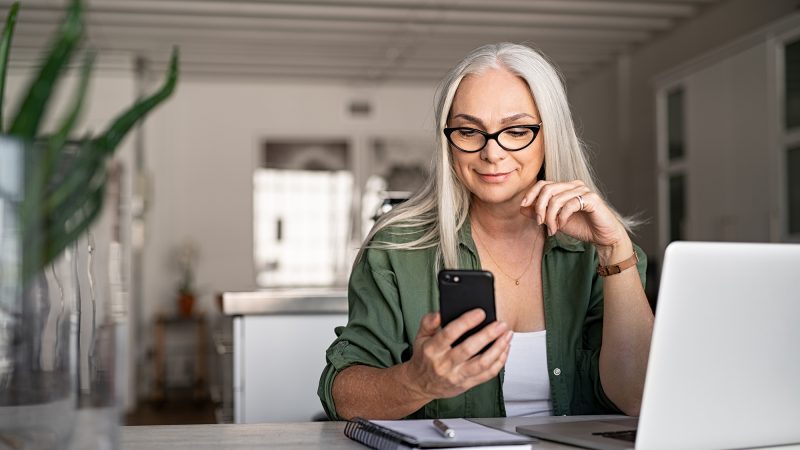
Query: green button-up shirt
[[390, 291]]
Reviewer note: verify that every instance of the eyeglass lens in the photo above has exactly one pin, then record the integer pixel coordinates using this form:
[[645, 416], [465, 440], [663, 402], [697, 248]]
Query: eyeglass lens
[[510, 139]]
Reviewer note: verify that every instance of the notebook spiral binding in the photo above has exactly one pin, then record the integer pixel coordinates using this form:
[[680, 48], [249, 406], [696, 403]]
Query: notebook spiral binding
[[374, 436]]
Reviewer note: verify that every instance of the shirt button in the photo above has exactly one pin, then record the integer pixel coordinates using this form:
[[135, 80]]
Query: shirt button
[[556, 371]]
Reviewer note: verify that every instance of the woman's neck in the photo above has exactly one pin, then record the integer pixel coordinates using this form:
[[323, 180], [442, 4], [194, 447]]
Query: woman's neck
[[500, 220]]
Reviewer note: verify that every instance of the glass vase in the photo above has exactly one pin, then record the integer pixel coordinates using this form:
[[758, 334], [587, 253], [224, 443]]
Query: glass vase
[[61, 357]]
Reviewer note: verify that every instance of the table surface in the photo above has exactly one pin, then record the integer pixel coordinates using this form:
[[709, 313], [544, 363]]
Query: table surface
[[298, 435]]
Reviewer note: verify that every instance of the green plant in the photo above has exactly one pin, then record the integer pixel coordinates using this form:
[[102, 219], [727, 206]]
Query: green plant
[[64, 184], [185, 257]]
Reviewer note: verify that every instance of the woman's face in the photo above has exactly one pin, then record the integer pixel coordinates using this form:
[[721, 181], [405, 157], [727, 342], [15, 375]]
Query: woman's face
[[491, 101]]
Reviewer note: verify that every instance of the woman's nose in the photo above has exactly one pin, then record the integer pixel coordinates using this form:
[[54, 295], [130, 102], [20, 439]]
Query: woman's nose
[[492, 152]]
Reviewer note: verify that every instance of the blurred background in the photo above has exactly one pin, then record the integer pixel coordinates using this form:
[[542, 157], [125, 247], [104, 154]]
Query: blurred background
[[297, 122]]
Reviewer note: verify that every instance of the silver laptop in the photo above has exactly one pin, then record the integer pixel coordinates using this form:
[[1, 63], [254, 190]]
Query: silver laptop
[[724, 367]]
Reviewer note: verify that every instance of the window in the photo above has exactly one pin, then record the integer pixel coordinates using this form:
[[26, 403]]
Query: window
[[793, 189], [672, 163], [791, 136], [677, 206], [792, 77], [315, 201], [301, 212], [675, 136]]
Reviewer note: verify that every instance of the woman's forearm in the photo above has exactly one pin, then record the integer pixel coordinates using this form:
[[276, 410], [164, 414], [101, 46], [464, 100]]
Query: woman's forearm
[[627, 328], [374, 393], [436, 369]]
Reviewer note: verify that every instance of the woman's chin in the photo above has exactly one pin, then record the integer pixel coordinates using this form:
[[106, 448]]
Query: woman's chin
[[497, 196]]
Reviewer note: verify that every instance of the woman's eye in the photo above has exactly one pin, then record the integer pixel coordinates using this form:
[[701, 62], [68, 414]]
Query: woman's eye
[[518, 132], [466, 132]]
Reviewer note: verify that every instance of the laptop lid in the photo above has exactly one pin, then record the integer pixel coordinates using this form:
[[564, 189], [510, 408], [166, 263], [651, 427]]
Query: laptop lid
[[724, 366]]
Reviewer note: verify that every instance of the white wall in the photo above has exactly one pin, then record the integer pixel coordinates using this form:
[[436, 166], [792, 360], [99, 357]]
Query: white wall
[[202, 149], [595, 110], [728, 156], [633, 160]]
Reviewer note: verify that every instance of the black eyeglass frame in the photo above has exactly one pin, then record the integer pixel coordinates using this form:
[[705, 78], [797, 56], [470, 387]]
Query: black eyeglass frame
[[536, 128]]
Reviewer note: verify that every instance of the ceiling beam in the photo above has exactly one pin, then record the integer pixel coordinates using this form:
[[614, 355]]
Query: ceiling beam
[[220, 10]]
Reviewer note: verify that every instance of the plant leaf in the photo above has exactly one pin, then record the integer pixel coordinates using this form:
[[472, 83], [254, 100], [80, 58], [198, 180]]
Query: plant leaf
[[49, 232], [56, 142], [5, 47], [78, 174], [28, 118], [109, 140], [61, 217], [59, 240]]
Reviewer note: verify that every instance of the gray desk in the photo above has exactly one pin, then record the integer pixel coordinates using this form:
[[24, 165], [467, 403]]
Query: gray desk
[[297, 435]]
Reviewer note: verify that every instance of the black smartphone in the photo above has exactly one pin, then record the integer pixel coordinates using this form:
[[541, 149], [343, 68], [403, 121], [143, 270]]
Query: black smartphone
[[464, 290]]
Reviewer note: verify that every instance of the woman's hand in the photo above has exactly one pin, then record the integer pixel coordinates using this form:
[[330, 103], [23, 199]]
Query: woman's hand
[[557, 206], [436, 370]]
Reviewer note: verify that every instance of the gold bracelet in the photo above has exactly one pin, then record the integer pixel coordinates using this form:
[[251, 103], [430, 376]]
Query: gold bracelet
[[614, 269]]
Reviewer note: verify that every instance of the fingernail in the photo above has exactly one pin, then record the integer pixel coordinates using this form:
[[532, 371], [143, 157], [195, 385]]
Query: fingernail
[[549, 231], [539, 219]]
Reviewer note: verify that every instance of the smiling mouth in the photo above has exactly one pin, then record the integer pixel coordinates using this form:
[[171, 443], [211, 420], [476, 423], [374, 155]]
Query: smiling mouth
[[494, 177]]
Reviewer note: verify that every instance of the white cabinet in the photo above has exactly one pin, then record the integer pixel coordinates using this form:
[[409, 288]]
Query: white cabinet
[[279, 352]]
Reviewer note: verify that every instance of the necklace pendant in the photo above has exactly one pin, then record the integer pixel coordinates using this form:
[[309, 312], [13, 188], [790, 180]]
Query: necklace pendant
[[517, 282]]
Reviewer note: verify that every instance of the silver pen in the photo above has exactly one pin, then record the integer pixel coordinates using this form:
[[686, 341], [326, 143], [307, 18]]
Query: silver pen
[[444, 429]]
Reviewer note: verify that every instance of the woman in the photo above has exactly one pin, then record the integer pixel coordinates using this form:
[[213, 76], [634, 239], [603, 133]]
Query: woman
[[511, 193]]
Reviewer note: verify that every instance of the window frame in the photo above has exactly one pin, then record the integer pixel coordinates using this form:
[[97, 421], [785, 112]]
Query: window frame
[[784, 139], [667, 168]]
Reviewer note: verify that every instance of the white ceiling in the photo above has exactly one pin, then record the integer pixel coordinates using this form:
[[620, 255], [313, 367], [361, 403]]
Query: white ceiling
[[351, 40]]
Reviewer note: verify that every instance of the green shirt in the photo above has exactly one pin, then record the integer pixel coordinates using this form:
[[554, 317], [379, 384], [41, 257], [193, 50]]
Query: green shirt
[[390, 291]]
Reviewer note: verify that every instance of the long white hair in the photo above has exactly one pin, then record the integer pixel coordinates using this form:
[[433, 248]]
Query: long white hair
[[435, 213]]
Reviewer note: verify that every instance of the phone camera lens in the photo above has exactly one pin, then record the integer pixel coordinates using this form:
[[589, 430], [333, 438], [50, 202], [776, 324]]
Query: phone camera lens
[[447, 277], [456, 279]]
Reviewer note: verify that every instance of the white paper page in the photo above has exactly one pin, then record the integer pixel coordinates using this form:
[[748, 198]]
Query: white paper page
[[466, 432]]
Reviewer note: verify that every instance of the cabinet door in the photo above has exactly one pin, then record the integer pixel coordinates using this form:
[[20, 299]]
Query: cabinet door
[[277, 363]]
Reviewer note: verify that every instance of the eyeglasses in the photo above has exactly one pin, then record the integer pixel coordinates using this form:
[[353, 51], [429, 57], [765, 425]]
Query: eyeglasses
[[511, 139]]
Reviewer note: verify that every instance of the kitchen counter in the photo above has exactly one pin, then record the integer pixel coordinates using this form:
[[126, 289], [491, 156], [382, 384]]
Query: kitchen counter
[[286, 301]]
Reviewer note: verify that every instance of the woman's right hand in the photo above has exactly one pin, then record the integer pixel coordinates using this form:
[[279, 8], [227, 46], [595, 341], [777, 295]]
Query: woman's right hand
[[437, 370]]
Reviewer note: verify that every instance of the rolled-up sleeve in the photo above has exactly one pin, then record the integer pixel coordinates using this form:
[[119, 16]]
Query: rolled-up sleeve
[[589, 396], [374, 335]]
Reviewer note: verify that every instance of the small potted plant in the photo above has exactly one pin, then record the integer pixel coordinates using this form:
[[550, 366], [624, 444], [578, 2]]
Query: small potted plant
[[186, 255]]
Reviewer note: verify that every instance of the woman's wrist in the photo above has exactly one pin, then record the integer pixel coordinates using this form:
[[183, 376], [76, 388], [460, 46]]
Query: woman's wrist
[[615, 252], [409, 383]]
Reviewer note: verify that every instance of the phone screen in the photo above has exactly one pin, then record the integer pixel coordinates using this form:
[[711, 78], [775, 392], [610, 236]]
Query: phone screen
[[464, 290]]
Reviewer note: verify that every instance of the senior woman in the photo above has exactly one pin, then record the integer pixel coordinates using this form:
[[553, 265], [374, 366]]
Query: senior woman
[[511, 193]]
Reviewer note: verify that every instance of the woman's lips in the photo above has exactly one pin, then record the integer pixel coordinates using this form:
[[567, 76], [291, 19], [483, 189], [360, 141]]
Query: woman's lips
[[497, 177]]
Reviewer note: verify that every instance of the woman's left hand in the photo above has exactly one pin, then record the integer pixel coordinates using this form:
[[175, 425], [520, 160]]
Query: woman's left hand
[[558, 206]]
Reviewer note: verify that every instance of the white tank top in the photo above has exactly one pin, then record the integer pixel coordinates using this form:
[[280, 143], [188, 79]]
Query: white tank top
[[526, 384]]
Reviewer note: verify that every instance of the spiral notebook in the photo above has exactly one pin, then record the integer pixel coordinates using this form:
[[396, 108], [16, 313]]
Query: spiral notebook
[[411, 434]]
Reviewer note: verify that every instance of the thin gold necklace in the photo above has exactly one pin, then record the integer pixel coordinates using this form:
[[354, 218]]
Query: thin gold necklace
[[530, 259]]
